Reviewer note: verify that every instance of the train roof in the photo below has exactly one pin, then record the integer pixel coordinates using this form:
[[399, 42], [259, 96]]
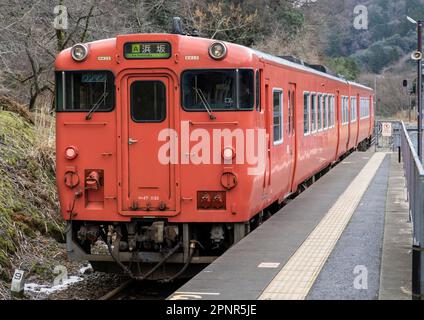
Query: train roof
[[108, 43], [299, 66]]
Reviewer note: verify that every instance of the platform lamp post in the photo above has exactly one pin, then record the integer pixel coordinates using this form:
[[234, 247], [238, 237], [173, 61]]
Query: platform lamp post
[[418, 229], [418, 56]]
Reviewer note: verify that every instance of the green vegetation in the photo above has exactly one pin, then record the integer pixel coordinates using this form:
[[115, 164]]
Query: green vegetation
[[346, 67], [388, 38], [28, 201]]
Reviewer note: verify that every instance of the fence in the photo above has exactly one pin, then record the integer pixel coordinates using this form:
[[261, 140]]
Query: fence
[[387, 135], [414, 174]]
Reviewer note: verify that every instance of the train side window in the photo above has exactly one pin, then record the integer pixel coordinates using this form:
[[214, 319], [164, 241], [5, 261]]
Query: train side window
[[289, 110], [365, 108], [292, 111], [314, 112], [278, 116], [325, 112], [345, 111], [258, 90], [148, 101], [330, 124], [319, 112], [353, 109], [306, 113]]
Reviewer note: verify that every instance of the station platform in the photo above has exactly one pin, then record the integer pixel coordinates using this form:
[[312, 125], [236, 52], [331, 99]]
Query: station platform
[[348, 236]]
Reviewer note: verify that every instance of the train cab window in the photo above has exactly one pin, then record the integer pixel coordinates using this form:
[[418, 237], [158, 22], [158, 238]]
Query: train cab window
[[85, 91], [148, 101], [258, 90], [306, 113], [218, 90], [246, 84], [278, 116], [314, 112]]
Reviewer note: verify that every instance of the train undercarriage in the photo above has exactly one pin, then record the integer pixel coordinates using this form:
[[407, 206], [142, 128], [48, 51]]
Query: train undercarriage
[[154, 250]]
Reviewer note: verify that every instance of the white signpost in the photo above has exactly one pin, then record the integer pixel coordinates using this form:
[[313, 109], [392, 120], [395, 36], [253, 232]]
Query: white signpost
[[386, 129], [18, 283]]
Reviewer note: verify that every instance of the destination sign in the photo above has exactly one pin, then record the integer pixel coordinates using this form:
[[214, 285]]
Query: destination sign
[[147, 50]]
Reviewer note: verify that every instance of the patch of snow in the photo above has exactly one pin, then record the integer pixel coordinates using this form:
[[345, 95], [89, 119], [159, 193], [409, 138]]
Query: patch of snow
[[41, 288], [86, 269]]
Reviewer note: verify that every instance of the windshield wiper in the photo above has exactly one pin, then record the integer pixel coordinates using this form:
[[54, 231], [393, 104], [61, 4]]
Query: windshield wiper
[[204, 102], [96, 105]]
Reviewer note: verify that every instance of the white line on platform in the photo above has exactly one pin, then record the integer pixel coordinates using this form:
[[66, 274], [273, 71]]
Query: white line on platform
[[201, 293], [271, 265], [296, 278]]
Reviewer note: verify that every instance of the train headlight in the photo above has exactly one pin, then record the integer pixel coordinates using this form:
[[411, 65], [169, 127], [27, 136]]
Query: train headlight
[[228, 153], [79, 52], [218, 50], [71, 153]]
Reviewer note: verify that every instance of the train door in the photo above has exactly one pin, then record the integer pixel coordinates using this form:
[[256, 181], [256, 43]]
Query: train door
[[291, 130], [149, 183]]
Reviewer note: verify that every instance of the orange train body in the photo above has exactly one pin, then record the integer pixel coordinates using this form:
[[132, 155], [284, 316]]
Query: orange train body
[[108, 167]]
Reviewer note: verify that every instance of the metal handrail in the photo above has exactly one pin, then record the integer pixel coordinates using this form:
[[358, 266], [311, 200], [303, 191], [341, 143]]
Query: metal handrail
[[414, 174]]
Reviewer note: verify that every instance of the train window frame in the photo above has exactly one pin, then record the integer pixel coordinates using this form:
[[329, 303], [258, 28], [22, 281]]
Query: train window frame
[[280, 91], [59, 96], [250, 109], [313, 125], [165, 99], [308, 94]]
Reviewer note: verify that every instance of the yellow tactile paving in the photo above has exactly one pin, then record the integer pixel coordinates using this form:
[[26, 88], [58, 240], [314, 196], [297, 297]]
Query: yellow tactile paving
[[299, 274]]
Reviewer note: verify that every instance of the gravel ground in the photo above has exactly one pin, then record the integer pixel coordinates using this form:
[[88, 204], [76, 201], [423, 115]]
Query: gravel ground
[[38, 260], [92, 287]]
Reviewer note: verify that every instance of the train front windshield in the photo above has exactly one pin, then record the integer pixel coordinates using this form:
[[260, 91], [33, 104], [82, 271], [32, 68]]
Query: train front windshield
[[85, 91], [219, 90]]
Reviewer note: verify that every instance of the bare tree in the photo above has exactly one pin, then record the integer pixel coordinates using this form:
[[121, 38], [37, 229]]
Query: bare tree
[[29, 44]]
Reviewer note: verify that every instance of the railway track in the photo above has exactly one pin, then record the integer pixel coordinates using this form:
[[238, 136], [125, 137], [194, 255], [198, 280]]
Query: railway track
[[143, 290]]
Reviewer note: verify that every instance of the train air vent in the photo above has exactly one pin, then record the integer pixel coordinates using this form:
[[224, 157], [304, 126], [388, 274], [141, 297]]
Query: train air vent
[[177, 26], [293, 59]]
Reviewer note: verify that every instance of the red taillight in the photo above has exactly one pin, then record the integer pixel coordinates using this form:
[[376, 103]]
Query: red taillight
[[71, 153], [211, 200]]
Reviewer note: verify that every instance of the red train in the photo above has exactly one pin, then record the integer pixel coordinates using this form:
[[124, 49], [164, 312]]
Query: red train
[[171, 148]]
